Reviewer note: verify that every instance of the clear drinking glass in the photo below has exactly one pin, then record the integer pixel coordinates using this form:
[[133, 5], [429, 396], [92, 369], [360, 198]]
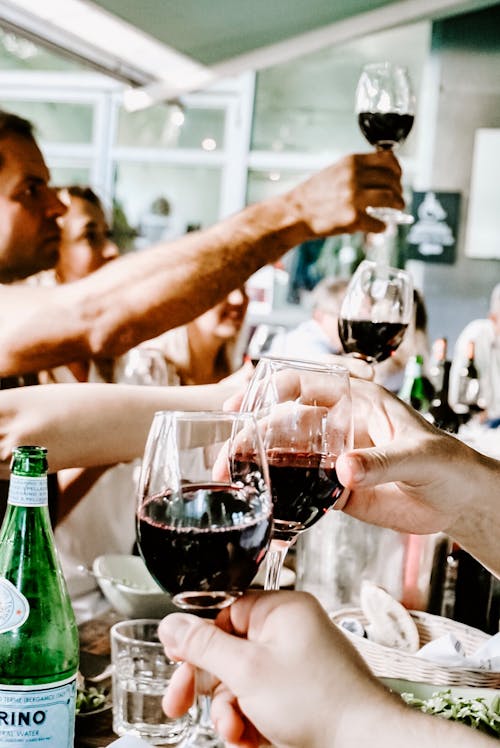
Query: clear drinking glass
[[204, 517], [141, 674], [146, 366], [376, 311], [385, 106], [304, 410]]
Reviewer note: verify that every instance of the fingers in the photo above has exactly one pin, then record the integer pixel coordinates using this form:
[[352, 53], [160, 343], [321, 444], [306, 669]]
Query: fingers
[[179, 696], [377, 465], [187, 637]]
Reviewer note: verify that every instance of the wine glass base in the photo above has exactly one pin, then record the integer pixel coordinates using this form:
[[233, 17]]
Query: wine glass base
[[391, 215], [201, 738]]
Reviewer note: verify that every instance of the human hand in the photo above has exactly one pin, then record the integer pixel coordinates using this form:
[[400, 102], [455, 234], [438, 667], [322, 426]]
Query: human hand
[[334, 201], [405, 474], [273, 655]]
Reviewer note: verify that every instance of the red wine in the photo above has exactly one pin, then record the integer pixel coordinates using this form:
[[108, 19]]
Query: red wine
[[386, 129], [218, 558], [303, 486], [372, 340]]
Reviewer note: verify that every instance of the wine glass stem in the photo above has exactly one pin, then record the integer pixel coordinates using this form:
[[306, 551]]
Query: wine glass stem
[[274, 563]]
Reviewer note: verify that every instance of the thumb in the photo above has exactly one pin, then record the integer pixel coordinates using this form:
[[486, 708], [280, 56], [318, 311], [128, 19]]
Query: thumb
[[203, 644], [370, 467]]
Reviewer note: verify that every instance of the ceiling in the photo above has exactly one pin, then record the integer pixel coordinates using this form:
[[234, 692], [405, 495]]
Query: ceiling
[[205, 40]]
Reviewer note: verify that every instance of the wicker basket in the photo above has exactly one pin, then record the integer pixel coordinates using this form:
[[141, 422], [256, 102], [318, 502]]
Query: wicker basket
[[386, 662]]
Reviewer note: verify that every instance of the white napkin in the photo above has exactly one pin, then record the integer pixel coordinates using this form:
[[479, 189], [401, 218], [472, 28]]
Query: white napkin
[[448, 650], [129, 741]]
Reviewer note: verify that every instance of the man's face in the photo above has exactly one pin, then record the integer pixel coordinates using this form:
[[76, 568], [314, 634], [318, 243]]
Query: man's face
[[29, 234], [85, 244]]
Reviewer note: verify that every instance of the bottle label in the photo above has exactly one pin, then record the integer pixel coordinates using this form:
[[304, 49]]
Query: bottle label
[[28, 491], [14, 607], [38, 714]]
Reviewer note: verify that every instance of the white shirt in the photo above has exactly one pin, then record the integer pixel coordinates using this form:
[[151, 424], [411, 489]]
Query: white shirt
[[487, 361], [307, 341]]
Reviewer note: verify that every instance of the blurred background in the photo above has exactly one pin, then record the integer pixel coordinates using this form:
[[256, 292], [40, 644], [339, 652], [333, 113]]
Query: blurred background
[[261, 97]]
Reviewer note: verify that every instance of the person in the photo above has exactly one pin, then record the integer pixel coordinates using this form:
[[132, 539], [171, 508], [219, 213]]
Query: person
[[318, 336], [403, 474], [142, 294], [208, 348], [485, 334]]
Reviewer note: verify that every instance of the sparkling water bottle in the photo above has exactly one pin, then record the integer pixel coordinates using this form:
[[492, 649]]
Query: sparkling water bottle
[[38, 632]]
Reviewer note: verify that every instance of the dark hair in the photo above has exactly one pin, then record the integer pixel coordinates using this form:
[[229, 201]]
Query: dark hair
[[84, 193], [12, 124]]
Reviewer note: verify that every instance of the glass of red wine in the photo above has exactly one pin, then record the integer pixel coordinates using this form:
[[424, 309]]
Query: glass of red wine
[[375, 311], [204, 518], [385, 105], [304, 411]]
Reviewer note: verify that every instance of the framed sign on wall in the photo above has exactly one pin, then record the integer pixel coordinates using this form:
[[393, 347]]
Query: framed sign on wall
[[433, 235]]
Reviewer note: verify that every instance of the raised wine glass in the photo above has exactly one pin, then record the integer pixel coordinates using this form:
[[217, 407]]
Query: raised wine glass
[[375, 311], [204, 518], [385, 105], [305, 413]]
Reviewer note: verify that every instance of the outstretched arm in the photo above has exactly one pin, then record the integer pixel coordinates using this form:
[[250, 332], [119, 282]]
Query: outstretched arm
[[85, 425], [142, 294]]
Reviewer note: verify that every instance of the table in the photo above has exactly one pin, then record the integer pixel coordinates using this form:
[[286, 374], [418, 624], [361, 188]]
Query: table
[[95, 731]]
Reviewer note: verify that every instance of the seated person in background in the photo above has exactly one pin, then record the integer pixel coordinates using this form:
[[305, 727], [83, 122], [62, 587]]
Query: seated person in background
[[85, 246], [408, 476], [485, 334], [318, 336], [390, 373], [210, 347]]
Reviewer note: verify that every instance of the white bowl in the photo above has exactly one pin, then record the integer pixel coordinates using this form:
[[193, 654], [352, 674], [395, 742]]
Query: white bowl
[[129, 587]]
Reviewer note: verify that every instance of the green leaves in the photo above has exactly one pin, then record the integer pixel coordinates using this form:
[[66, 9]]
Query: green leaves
[[90, 699], [477, 713]]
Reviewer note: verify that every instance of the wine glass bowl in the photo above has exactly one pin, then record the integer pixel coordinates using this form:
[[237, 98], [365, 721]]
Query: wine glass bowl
[[385, 107], [204, 511], [375, 311], [304, 412]]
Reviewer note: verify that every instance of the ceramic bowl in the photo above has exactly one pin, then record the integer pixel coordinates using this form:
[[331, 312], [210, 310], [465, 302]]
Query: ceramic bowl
[[129, 587]]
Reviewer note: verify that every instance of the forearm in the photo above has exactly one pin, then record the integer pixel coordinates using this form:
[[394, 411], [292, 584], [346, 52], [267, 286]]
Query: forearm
[[388, 723], [141, 295], [477, 527], [83, 425]]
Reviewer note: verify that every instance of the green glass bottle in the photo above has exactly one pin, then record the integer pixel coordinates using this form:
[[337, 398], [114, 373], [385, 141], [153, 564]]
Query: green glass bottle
[[38, 632], [413, 389]]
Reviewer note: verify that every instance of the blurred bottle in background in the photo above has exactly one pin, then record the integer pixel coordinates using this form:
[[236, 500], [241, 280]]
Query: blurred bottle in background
[[440, 411], [416, 389], [468, 397]]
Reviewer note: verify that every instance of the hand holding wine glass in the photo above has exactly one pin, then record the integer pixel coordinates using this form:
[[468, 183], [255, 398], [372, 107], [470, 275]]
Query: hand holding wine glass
[[304, 412], [385, 105], [376, 311], [203, 536]]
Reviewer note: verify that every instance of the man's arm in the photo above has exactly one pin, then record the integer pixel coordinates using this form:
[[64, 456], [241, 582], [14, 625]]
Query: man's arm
[[299, 681], [143, 294], [85, 425]]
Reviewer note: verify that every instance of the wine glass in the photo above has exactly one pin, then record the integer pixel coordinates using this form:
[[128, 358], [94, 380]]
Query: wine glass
[[385, 105], [144, 365], [204, 518], [375, 311], [305, 413]]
